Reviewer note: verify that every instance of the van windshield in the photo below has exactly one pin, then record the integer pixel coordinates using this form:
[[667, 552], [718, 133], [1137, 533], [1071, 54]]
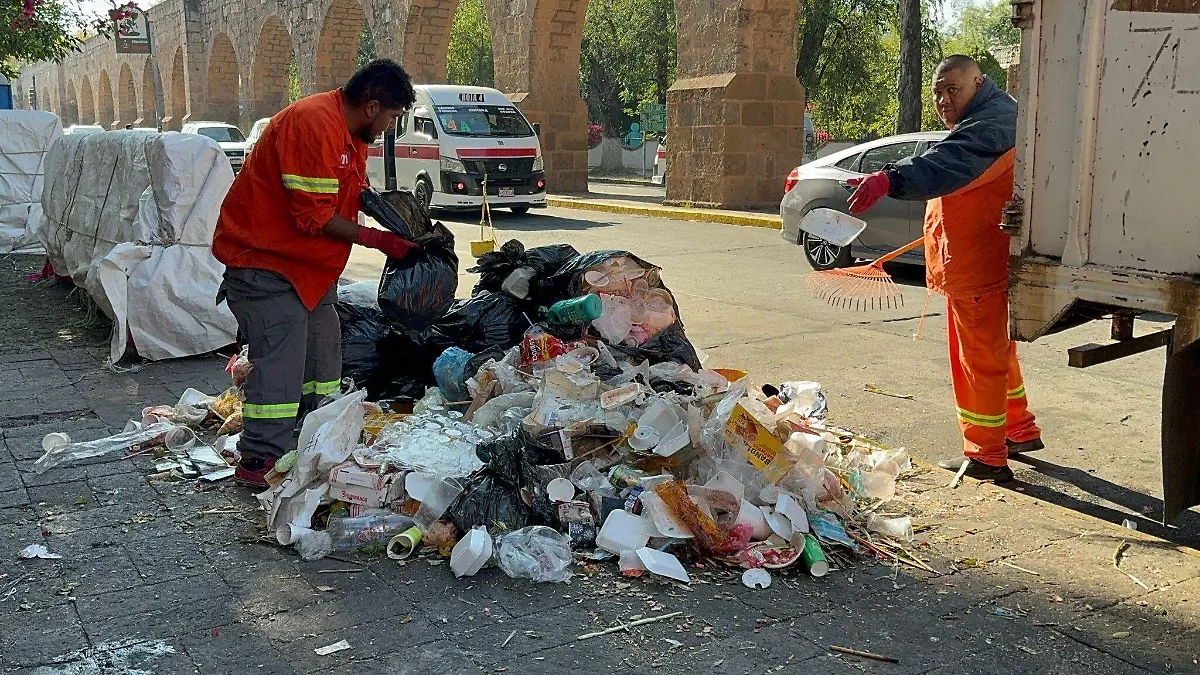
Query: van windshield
[[483, 121]]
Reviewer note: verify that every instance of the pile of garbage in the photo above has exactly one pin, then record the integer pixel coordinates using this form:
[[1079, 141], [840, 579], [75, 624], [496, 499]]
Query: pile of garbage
[[558, 416]]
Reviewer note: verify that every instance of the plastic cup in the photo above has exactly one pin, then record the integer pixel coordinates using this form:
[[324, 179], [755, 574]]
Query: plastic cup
[[55, 440], [560, 490], [813, 557], [402, 545]]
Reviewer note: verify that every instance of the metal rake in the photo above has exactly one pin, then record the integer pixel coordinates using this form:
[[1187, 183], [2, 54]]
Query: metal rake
[[862, 287]]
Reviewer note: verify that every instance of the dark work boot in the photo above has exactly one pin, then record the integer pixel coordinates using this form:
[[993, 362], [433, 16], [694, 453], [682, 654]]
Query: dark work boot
[[1015, 448], [978, 470], [252, 471]]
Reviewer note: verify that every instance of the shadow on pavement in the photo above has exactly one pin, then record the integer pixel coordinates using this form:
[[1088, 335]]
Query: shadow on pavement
[[530, 222], [1185, 530]]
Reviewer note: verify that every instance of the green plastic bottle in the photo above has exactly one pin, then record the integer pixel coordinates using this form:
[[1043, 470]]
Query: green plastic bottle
[[580, 310]]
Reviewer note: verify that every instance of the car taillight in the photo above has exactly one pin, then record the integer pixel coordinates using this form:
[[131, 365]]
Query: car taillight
[[792, 179]]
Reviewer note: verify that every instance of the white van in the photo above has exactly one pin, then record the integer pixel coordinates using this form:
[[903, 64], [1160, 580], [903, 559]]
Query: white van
[[228, 136], [452, 140]]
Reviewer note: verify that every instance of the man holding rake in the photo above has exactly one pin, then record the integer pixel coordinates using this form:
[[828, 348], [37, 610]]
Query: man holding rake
[[967, 178]]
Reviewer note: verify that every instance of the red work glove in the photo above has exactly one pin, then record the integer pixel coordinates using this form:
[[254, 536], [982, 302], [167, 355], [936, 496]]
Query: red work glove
[[391, 244], [870, 189]]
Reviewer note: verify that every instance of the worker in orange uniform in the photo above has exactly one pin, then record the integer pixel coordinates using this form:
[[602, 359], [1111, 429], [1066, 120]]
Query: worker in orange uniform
[[284, 234], [967, 178]]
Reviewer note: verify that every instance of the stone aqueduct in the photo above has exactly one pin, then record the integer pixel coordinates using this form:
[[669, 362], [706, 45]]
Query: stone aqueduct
[[735, 115]]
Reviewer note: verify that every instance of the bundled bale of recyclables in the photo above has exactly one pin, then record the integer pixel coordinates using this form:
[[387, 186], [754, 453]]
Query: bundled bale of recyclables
[[129, 216], [25, 139]]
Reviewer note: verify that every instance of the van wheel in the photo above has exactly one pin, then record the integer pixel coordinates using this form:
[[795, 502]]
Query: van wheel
[[822, 255], [520, 210], [423, 191]]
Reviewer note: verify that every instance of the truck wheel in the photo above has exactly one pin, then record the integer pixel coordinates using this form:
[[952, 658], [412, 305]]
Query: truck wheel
[[423, 191], [823, 255], [520, 210]]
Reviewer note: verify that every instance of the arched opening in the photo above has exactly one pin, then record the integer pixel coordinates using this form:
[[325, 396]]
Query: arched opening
[[126, 97], [106, 112], [224, 81], [87, 103], [626, 65], [272, 56], [176, 100], [343, 25], [469, 59], [43, 102], [70, 113], [151, 91]]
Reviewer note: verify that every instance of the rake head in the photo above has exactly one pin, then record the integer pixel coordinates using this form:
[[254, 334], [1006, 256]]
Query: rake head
[[859, 288]]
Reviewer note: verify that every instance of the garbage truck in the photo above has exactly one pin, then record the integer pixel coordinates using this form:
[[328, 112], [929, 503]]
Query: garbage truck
[[1105, 217]]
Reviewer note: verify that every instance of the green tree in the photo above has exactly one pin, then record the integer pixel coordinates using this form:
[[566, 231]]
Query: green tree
[[48, 35], [627, 58], [979, 31], [469, 57], [366, 46]]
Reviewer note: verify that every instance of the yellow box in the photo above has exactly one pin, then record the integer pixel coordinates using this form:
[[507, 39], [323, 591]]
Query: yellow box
[[748, 433]]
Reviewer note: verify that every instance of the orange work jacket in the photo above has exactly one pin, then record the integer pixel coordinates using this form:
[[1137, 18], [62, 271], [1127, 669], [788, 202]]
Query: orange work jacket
[[966, 252], [304, 169]]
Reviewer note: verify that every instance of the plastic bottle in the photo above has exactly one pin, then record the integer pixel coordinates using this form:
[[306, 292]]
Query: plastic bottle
[[804, 450], [576, 310], [366, 532]]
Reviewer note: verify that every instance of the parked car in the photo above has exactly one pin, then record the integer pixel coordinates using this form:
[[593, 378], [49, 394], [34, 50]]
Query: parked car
[[660, 163], [823, 183], [82, 129], [228, 136], [255, 134]]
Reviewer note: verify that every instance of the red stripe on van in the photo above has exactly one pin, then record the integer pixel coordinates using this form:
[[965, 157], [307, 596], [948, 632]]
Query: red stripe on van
[[472, 153], [406, 151]]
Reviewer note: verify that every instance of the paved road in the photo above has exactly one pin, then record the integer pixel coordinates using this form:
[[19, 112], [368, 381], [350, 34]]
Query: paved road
[[743, 299]]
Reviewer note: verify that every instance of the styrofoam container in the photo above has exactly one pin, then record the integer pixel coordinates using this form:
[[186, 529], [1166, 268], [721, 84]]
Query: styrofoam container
[[623, 531], [471, 553], [663, 564]]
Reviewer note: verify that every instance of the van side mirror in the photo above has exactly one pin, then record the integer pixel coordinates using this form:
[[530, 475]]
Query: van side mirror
[[537, 129], [428, 129]]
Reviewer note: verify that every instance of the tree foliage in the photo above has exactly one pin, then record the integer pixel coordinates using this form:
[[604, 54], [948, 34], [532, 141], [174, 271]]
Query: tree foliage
[[979, 30], [49, 34], [469, 57], [627, 58]]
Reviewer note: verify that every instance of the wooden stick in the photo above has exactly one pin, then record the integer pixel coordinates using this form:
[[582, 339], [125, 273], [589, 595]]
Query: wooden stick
[[509, 639], [1018, 568], [872, 389], [865, 655], [627, 626]]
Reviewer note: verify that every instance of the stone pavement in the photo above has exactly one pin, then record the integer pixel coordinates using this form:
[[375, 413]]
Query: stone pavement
[[177, 578]]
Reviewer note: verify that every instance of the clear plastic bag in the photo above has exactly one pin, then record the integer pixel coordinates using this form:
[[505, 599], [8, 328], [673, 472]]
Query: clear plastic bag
[[314, 545], [538, 553], [712, 434]]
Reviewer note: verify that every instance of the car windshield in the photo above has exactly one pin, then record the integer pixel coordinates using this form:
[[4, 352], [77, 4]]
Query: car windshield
[[222, 134], [483, 120]]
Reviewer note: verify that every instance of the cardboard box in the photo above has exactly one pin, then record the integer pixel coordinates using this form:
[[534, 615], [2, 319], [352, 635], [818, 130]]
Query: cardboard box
[[350, 483], [749, 430]]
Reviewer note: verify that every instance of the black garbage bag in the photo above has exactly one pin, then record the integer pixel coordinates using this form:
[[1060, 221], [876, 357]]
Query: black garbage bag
[[492, 495], [363, 328], [493, 268], [671, 344], [487, 321], [405, 368]]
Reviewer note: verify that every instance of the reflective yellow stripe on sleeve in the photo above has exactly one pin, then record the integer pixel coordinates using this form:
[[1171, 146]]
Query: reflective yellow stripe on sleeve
[[1018, 392], [309, 184], [981, 420]]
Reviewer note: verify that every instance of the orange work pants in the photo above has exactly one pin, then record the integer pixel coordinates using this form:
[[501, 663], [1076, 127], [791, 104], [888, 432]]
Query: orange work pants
[[988, 389]]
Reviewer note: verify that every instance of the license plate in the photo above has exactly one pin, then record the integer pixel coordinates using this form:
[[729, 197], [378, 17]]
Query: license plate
[[507, 192]]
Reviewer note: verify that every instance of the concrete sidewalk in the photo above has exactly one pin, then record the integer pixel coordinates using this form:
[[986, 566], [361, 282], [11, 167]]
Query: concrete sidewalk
[[178, 578], [609, 204]]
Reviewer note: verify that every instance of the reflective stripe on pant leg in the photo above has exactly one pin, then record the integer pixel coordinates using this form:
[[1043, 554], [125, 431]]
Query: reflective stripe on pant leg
[[323, 361], [1021, 425], [275, 324], [979, 369]]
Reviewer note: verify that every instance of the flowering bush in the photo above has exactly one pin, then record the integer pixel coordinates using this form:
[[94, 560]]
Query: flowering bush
[[595, 134], [120, 18]]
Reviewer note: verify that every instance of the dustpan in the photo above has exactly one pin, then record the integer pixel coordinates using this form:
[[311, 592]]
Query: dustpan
[[834, 227], [487, 232]]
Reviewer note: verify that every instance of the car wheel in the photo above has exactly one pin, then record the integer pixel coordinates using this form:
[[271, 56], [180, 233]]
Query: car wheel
[[520, 210], [822, 255], [423, 191]]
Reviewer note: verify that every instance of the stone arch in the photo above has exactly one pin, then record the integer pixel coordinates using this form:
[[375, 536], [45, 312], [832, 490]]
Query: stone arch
[[106, 114], [127, 107], [87, 102], [270, 75], [70, 113], [427, 38], [148, 115], [176, 97], [224, 81], [335, 58]]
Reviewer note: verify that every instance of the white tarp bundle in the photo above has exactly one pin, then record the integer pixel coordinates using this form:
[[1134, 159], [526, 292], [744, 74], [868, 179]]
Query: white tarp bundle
[[25, 138], [129, 216]]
